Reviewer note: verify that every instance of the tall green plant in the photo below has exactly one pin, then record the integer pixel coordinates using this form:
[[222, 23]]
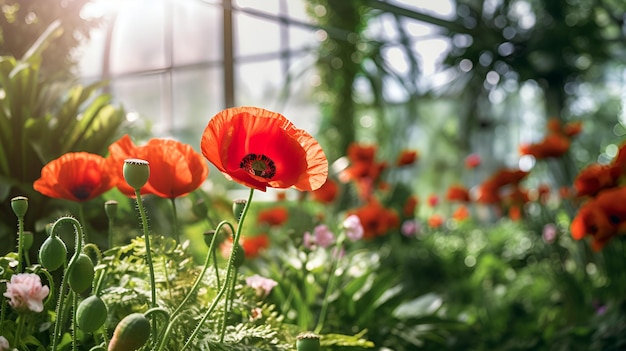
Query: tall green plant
[[42, 119]]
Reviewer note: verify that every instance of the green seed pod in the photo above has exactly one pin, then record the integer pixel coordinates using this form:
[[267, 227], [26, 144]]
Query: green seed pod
[[110, 208], [91, 314], [131, 333], [240, 256], [136, 172], [19, 204], [308, 342], [81, 273], [52, 253], [238, 206]]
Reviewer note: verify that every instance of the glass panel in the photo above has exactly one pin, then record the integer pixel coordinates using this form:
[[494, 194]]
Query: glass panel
[[198, 95], [301, 38], [254, 35], [143, 96], [197, 33], [261, 84], [138, 37], [269, 6], [297, 10]]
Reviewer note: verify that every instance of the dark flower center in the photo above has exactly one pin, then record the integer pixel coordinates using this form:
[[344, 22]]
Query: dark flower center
[[82, 192], [259, 165]]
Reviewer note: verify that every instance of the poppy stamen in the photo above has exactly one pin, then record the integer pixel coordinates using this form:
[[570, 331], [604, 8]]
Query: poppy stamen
[[82, 192], [259, 165]]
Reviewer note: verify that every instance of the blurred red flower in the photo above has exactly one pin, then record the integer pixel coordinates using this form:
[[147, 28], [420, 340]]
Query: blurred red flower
[[273, 216], [407, 157], [472, 161], [461, 213], [596, 177], [408, 210], [602, 218], [376, 219], [76, 176], [175, 168], [327, 193], [260, 148], [435, 220], [553, 145], [457, 193]]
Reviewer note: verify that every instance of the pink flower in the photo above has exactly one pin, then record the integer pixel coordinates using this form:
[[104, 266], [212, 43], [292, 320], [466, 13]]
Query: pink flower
[[308, 240], [26, 292], [323, 236], [549, 233], [354, 228], [410, 228], [262, 285]]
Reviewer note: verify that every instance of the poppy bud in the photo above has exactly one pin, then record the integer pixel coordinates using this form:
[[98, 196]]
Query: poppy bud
[[238, 206], [136, 172], [110, 208], [208, 237], [308, 342], [19, 204], [200, 208], [240, 256]]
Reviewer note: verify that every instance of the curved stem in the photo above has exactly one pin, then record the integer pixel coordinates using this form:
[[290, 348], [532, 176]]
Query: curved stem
[[228, 304], [229, 271], [196, 284], [146, 235], [110, 232], [81, 218], [79, 245]]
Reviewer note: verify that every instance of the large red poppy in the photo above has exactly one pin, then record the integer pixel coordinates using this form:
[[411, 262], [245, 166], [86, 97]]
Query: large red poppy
[[602, 218], [260, 148], [175, 168], [75, 176]]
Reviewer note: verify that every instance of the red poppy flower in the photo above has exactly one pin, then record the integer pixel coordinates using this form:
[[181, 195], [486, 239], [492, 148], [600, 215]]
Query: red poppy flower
[[273, 216], [327, 193], [553, 145], [175, 168], [433, 200], [407, 157], [252, 245], [410, 205], [472, 161], [375, 219], [602, 218], [435, 221], [457, 193], [461, 213], [596, 177], [361, 153], [260, 148], [75, 176]]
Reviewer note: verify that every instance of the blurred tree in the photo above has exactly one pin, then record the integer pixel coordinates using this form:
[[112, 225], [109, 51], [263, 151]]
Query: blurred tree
[[23, 21]]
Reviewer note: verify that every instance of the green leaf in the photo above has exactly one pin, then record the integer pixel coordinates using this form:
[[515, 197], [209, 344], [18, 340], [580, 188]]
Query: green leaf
[[424, 305]]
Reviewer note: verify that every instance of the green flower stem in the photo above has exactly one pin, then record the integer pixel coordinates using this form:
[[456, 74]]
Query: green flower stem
[[167, 331], [146, 235], [62, 296], [110, 232], [74, 318], [81, 218], [20, 242], [21, 320], [211, 251], [330, 285], [229, 302], [229, 271], [175, 221]]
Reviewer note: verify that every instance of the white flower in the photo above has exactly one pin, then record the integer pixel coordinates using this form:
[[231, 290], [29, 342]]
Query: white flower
[[4, 343]]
